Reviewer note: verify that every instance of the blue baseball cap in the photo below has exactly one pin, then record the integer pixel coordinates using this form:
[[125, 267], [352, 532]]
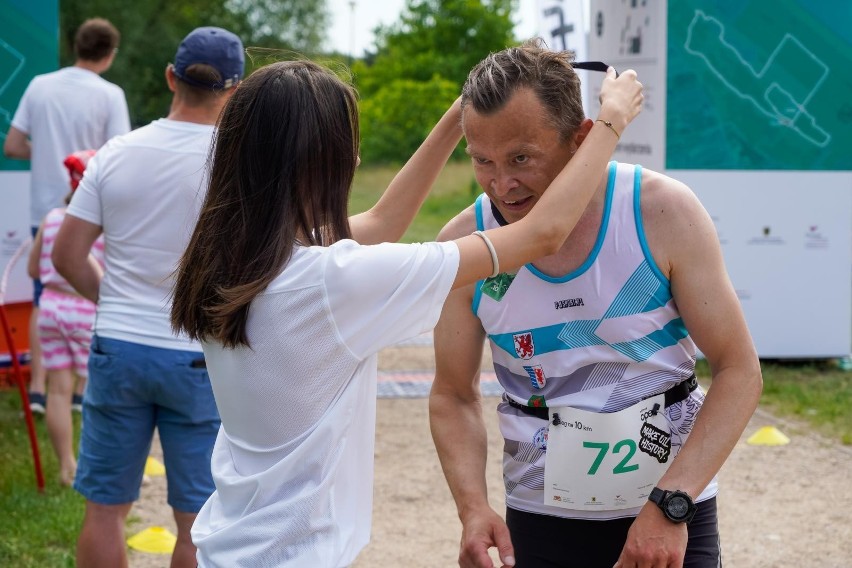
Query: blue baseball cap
[[216, 47]]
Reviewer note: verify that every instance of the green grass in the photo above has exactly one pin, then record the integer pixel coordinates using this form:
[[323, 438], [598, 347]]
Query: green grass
[[454, 190], [816, 393], [39, 529]]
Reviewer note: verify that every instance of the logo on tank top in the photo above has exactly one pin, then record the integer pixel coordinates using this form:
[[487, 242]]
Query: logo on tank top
[[536, 373], [497, 286], [524, 346], [569, 303], [537, 401], [540, 438]]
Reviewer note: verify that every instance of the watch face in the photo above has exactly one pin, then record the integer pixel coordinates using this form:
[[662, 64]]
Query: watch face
[[678, 506]]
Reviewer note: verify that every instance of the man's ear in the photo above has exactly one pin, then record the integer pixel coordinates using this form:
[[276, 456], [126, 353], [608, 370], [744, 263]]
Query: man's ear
[[171, 79], [583, 131]]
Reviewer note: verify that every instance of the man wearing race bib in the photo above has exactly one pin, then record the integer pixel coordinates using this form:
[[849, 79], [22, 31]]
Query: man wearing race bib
[[610, 447]]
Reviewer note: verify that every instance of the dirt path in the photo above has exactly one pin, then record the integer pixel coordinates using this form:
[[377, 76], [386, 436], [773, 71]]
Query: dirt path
[[780, 506]]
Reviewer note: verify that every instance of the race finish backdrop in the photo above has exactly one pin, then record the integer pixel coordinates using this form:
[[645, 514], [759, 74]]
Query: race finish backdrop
[[29, 46], [749, 104]]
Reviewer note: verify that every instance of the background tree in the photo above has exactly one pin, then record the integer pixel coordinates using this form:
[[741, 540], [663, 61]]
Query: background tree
[[397, 118], [151, 30], [419, 66]]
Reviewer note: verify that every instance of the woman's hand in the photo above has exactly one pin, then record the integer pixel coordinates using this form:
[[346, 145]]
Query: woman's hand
[[621, 99]]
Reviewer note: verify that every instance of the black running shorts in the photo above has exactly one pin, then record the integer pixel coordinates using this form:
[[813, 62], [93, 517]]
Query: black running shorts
[[543, 541]]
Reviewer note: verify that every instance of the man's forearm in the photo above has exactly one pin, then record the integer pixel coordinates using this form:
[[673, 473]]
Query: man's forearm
[[83, 277], [17, 145], [728, 407], [393, 213], [462, 444]]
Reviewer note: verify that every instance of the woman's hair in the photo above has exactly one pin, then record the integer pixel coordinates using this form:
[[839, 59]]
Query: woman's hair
[[549, 74], [283, 160]]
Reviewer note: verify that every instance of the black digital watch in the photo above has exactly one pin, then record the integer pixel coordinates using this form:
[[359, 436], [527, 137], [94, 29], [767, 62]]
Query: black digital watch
[[677, 506]]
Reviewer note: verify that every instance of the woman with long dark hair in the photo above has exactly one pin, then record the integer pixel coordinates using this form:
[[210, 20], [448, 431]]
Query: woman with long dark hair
[[293, 299]]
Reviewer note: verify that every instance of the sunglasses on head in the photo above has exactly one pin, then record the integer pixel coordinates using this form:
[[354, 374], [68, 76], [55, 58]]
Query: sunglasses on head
[[592, 66]]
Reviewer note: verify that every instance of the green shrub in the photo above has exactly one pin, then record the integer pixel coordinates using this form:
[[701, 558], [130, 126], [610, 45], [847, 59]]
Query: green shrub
[[397, 118]]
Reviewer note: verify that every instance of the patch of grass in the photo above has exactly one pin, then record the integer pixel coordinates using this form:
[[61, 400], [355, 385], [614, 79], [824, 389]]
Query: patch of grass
[[454, 190], [39, 529], [816, 393]]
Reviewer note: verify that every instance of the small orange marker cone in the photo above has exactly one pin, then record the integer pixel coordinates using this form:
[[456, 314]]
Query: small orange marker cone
[[768, 436], [156, 540], [154, 468]]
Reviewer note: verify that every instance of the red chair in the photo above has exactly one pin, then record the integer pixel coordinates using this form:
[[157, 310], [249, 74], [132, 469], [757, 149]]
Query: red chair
[[16, 359]]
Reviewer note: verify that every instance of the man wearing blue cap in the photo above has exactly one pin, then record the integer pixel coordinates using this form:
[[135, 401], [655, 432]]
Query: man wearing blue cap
[[143, 191]]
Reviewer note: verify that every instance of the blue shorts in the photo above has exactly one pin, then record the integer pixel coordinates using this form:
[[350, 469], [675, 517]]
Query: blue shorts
[[132, 389], [37, 285]]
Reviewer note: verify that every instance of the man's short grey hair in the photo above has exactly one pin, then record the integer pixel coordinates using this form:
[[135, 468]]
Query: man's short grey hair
[[531, 65]]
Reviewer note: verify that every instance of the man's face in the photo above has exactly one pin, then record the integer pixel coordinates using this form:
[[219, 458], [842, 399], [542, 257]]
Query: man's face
[[516, 153]]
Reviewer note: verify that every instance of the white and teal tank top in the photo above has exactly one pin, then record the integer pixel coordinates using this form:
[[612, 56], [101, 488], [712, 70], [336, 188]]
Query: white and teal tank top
[[600, 338]]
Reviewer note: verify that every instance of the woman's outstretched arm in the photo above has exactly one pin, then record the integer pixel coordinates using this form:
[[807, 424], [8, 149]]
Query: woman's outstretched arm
[[389, 218]]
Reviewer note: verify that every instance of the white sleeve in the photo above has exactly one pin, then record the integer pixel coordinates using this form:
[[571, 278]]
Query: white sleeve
[[21, 119], [382, 294], [119, 117], [86, 202]]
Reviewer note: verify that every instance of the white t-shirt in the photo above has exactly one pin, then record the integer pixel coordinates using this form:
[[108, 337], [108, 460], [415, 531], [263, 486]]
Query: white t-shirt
[[62, 112], [293, 462], [145, 189]]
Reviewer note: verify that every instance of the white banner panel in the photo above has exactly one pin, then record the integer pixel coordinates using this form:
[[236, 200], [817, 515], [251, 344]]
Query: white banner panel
[[786, 239], [632, 35], [561, 25], [15, 230]]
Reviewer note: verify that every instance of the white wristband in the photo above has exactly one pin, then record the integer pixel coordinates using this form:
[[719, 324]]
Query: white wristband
[[494, 261]]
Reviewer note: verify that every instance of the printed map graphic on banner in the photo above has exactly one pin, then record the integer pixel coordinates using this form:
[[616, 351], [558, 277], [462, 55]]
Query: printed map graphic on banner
[[28, 47], [760, 85]]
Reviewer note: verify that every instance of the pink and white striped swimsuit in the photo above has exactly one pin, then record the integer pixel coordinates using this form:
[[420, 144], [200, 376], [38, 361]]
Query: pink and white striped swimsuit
[[65, 319]]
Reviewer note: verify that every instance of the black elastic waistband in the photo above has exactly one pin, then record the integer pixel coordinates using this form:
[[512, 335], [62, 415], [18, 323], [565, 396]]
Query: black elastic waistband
[[674, 395]]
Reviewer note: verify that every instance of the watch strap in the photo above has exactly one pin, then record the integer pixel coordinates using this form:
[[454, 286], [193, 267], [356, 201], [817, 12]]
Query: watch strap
[[662, 497]]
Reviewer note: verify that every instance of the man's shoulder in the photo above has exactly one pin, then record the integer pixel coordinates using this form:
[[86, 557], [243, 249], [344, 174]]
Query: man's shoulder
[[459, 226], [96, 82], [673, 218], [660, 191], [167, 136], [43, 83]]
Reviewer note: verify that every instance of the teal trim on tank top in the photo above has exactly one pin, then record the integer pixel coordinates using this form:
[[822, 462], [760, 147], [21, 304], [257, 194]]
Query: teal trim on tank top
[[480, 225], [581, 333], [477, 207], [593, 255], [640, 227]]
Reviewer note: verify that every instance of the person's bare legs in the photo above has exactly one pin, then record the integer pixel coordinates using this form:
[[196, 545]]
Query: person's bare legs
[[80, 387], [60, 427], [101, 541], [38, 375], [184, 553]]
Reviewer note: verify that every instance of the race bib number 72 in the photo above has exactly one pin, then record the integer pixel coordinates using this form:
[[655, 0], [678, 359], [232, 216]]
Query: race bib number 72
[[599, 462]]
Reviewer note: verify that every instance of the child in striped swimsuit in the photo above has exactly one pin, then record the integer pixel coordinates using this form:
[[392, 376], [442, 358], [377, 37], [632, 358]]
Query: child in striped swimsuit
[[65, 325]]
